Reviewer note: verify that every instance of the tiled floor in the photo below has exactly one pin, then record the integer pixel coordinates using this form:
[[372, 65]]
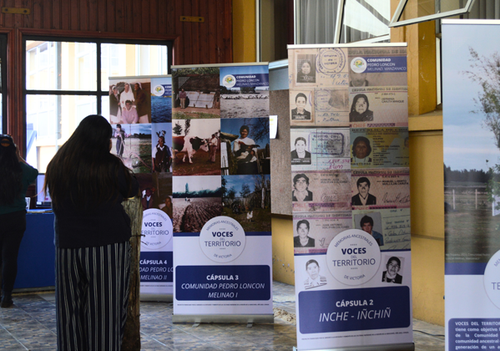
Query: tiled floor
[[30, 325]]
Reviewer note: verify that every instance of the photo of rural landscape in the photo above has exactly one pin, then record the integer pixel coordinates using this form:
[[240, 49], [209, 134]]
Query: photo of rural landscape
[[471, 142], [196, 200], [247, 199]]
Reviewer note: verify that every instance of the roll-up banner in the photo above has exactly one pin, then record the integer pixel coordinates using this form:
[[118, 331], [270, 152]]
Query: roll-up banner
[[471, 139], [221, 194], [351, 196], [140, 112]]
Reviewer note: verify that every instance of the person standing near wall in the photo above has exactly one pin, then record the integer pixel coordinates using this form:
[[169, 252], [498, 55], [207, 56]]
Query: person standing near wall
[[15, 177], [182, 97], [87, 185]]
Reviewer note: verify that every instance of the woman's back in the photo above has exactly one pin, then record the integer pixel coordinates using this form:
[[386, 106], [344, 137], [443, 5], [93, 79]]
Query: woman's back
[[87, 185]]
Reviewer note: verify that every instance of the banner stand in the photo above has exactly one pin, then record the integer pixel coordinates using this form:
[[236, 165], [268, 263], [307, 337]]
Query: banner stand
[[350, 192], [390, 347], [157, 297], [221, 194], [230, 318]]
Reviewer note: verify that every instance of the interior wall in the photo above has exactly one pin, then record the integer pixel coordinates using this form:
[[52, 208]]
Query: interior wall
[[427, 225], [194, 42], [283, 260], [244, 31]]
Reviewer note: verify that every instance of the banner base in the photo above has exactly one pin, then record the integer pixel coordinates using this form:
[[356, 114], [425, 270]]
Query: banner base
[[389, 347], [157, 297], [223, 318]]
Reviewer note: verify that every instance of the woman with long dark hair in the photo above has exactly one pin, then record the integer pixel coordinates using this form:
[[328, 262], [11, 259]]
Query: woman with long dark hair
[[15, 177], [87, 185]]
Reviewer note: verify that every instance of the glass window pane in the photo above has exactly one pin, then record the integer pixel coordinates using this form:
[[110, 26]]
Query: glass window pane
[[61, 65], [50, 121], [119, 60], [317, 20], [365, 19]]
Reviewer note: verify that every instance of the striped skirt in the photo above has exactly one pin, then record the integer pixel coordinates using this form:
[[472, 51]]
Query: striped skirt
[[92, 286]]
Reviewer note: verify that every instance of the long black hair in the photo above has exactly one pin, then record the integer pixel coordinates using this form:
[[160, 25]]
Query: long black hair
[[83, 169], [10, 171], [355, 100]]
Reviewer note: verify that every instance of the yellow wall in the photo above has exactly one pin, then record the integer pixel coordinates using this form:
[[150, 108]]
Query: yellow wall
[[426, 168], [244, 33], [283, 264], [427, 218]]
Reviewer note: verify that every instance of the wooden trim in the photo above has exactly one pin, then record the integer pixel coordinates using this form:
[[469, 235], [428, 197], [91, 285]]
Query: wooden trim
[[94, 34]]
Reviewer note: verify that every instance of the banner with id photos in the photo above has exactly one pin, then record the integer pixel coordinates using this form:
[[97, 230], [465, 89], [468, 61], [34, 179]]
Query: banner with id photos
[[350, 196], [221, 193]]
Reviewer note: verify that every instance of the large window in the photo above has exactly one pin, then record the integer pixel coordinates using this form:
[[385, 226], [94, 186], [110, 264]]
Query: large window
[[341, 21], [67, 80]]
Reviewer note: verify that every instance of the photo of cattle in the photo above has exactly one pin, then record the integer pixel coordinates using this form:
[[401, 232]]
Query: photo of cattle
[[196, 147], [247, 199], [245, 146], [196, 200], [244, 91], [132, 144], [195, 93]]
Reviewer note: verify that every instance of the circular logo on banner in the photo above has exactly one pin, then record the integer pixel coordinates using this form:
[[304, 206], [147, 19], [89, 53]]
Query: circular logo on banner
[[353, 257], [229, 81], [492, 280], [159, 90], [222, 239], [156, 228], [331, 61], [358, 64]]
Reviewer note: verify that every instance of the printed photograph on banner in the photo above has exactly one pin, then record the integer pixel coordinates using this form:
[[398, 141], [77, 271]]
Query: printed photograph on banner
[[195, 147], [300, 144], [317, 191], [380, 188], [161, 141], [379, 107], [312, 232], [379, 147], [196, 199], [377, 67], [245, 146], [148, 190], [332, 68], [302, 67], [161, 100], [129, 100], [132, 144], [311, 273], [391, 228], [244, 91], [394, 265], [320, 149], [163, 192], [331, 148], [247, 199], [471, 147], [331, 106], [195, 92], [301, 108]]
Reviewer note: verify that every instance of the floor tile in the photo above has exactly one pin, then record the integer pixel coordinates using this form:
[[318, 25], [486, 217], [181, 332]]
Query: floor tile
[[30, 325]]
